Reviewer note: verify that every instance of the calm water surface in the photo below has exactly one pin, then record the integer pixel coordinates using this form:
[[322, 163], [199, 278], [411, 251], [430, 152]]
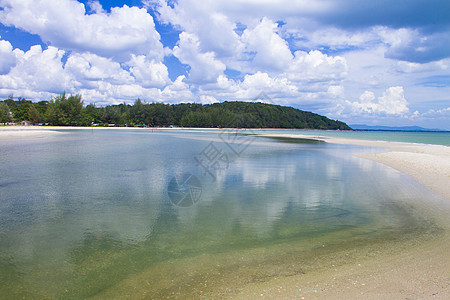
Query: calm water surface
[[91, 213], [433, 138]]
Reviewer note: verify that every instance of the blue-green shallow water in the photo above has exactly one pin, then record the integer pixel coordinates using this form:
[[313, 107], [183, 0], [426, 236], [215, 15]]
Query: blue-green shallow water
[[88, 213], [433, 138]]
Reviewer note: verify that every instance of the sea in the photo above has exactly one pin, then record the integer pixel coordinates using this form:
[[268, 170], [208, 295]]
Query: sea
[[145, 213], [417, 137]]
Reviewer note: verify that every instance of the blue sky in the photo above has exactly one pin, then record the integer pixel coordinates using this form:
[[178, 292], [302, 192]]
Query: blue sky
[[372, 62]]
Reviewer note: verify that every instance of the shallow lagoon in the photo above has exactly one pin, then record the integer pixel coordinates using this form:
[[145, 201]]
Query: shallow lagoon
[[90, 213]]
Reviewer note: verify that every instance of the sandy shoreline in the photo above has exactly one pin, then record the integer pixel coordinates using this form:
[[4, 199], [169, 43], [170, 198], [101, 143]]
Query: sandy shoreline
[[21, 132]]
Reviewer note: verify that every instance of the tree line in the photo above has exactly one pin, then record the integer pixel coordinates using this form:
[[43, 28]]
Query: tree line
[[64, 110]]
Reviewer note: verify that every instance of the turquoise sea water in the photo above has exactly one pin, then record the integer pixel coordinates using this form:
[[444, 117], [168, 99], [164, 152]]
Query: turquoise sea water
[[136, 213], [433, 138]]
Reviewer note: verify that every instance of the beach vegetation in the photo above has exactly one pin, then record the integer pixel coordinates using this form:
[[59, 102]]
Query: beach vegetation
[[5, 113], [64, 110]]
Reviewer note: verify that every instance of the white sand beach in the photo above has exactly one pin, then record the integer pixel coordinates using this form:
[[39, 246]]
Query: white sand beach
[[21, 132]]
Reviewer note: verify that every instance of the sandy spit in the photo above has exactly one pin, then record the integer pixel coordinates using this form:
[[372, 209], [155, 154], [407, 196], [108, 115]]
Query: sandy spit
[[22, 132]]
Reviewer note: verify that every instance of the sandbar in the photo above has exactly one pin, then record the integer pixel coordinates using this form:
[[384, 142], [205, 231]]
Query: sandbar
[[22, 132]]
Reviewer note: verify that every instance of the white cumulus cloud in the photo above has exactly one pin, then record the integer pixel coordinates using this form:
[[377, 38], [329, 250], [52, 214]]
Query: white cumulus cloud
[[65, 24], [316, 66], [7, 57], [90, 68], [392, 102], [36, 70], [270, 51], [148, 73], [204, 65]]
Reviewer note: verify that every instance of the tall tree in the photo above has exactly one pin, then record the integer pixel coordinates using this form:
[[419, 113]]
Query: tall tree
[[138, 112], [20, 109], [5, 113], [73, 110], [63, 110], [33, 115]]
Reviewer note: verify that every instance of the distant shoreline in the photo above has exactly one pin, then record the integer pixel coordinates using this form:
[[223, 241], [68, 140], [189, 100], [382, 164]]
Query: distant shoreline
[[11, 132]]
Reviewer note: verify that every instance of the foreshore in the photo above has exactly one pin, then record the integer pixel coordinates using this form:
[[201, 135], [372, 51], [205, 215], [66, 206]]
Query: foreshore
[[21, 132]]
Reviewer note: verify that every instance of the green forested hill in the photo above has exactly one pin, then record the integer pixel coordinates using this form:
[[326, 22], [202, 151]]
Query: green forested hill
[[257, 115], [66, 111]]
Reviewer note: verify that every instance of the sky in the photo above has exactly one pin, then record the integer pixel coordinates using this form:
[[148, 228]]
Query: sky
[[362, 62]]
